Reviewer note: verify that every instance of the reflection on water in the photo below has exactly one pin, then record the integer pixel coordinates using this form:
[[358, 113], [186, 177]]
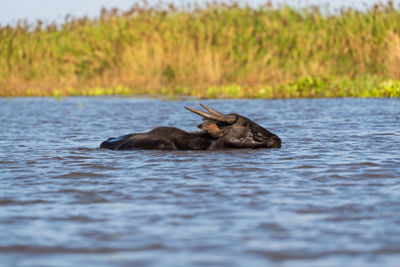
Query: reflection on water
[[330, 195]]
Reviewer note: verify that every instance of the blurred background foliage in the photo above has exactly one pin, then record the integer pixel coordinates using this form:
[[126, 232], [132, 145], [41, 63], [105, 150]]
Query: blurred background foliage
[[217, 51]]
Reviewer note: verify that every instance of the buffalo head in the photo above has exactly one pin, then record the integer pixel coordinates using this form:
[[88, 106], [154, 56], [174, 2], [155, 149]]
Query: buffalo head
[[235, 131]]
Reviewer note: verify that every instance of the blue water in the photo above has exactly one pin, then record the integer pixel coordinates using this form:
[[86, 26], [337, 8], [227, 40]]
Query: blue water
[[330, 196]]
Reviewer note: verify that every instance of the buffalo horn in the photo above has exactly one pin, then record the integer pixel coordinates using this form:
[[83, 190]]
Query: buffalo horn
[[229, 119], [212, 110]]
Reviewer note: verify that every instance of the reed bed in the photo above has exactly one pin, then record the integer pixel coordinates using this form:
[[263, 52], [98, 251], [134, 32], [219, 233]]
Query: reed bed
[[218, 51]]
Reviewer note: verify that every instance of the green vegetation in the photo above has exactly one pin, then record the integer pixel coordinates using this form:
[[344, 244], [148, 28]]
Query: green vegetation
[[220, 51]]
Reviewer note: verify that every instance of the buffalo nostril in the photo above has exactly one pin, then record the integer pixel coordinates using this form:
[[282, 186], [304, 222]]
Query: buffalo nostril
[[275, 141], [278, 140]]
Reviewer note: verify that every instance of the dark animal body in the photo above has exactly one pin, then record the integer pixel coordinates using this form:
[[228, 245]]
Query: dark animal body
[[219, 131]]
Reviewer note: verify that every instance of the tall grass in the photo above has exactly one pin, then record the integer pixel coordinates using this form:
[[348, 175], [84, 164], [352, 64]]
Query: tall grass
[[217, 51]]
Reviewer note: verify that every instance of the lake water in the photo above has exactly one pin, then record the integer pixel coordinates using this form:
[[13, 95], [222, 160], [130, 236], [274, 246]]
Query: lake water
[[330, 196]]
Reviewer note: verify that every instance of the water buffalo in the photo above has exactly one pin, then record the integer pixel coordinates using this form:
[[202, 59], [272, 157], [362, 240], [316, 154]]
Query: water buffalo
[[219, 131]]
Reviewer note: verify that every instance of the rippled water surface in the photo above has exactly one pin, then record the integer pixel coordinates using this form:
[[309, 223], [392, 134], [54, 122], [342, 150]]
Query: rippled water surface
[[329, 196]]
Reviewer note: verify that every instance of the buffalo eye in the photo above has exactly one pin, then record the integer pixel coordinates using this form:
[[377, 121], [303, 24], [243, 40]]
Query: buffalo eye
[[244, 123]]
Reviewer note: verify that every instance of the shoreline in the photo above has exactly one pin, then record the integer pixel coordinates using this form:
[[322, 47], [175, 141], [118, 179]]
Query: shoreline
[[307, 87]]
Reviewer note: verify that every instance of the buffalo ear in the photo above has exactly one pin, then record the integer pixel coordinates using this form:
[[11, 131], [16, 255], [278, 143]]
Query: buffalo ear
[[212, 129]]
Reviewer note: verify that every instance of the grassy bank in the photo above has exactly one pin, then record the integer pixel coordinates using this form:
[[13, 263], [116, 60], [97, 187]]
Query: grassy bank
[[216, 51]]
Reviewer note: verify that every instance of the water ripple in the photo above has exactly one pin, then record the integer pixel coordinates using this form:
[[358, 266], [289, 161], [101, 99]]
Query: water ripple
[[329, 197]]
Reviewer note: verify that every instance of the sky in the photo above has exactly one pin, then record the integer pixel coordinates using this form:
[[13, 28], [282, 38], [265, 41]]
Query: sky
[[55, 10]]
